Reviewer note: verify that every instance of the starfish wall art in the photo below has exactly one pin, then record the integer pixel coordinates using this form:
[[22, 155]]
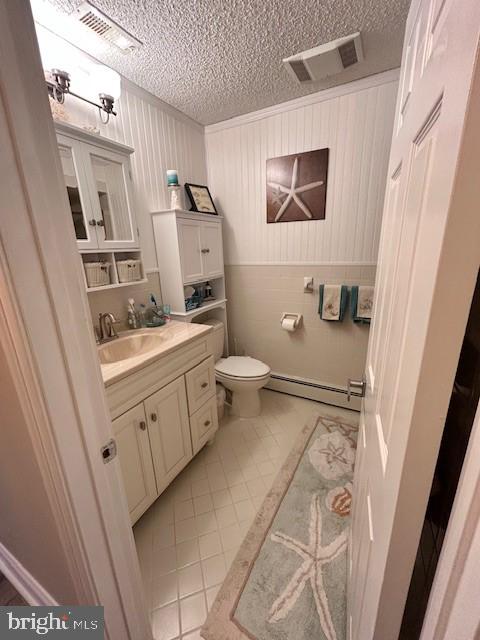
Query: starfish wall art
[[297, 186]]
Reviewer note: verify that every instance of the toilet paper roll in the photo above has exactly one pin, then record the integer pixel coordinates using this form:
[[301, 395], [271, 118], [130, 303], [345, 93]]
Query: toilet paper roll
[[288, 324]]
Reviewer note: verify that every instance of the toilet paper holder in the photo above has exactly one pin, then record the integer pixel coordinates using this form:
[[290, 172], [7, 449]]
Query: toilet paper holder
[[296, 317]]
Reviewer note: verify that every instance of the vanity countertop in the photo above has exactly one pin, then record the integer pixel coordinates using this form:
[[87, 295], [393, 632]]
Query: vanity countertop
[[174, 335]]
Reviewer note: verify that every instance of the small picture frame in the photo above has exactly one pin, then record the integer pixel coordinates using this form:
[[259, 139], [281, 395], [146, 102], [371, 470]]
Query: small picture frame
[[200, 198]]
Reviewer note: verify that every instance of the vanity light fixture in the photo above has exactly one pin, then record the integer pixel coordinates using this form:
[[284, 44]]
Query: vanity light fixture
[[59, 86]]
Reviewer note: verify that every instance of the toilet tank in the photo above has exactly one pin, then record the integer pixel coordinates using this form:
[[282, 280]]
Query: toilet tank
[[218, 337]]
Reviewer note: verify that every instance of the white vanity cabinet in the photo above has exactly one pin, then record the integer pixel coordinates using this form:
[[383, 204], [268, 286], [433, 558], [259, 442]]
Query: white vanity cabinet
[[169, 430], [163, 414], [133, 445], [99, 186], [201, 251]]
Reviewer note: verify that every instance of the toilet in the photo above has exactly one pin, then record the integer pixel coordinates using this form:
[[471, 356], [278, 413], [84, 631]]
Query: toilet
[[242, 375]]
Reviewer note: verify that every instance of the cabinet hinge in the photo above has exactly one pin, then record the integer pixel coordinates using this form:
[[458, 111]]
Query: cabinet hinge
[[109, 451]]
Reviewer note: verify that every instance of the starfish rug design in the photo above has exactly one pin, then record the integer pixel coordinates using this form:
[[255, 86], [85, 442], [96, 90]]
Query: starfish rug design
[[315, 556], [292, 193], [289, 579]]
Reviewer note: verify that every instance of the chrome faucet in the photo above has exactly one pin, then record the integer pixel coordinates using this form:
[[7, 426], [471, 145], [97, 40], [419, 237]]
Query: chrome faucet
[[105, 330]]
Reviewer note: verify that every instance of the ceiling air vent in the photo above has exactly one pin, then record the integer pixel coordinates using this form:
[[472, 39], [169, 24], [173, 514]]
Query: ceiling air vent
[[326, 60], [104, 27]]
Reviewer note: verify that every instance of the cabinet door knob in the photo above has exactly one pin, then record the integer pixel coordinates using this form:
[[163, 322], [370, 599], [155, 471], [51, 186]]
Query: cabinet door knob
[[206, 423], [205, 250], [92, 222], [153, 417], [142, 425], [100, 223], [204, 385]]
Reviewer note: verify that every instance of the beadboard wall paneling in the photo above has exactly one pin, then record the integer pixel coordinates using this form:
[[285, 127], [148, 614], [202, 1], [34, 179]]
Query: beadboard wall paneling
[[356, 125], [162, 137]]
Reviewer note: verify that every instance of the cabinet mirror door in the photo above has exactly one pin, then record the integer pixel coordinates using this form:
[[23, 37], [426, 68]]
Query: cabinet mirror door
[[112, 199], [83, 222]]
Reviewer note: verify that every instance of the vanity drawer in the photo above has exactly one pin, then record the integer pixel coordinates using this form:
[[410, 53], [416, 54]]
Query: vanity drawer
[[203, 424], [200, 384]]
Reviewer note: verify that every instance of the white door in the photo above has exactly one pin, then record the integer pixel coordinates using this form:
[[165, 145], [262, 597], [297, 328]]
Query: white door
[[73, 165], [426, 274], [212, 251], [169, 431], [135, 456], [190, 244], [111, 195]]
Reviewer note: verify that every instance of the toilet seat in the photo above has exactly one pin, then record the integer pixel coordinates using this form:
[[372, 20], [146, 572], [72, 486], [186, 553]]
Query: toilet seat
[[242, 367]]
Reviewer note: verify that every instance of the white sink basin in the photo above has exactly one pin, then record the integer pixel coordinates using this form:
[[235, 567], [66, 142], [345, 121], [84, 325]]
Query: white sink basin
[[135, 344]]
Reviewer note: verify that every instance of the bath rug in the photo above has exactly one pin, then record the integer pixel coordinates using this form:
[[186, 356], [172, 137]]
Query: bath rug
[[288, 580]]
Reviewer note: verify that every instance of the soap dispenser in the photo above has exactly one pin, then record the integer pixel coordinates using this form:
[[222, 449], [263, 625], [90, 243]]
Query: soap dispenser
[[132, 315]]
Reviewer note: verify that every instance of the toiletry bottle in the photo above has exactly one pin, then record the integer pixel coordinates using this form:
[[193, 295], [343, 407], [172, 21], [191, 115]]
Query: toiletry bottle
[[142, 315], [132, 317]]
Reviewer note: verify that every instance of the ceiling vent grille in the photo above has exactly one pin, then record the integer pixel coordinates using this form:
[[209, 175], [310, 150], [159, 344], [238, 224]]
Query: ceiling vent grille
[[326, 60], [104, 27], [300, 70]]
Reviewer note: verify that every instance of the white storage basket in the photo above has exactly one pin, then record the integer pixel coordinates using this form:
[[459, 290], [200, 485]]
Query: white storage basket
[[129, 270], [97, 273]]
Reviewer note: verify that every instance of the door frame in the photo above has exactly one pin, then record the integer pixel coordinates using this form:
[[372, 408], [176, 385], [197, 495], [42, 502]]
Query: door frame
[[43, 296]]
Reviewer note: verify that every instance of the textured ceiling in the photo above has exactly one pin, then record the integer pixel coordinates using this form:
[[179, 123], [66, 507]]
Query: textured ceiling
[[215, 59]]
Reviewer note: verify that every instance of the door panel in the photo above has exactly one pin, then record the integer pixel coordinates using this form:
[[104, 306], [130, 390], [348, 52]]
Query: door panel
[[135, 460], [169, 431], [212, 249], [410, 364], [190, 242]]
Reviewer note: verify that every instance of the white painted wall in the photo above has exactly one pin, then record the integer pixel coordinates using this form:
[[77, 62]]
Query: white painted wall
[[355, 122]]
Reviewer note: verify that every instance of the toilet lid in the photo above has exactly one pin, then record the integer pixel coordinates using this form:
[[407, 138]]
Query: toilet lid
[[242, 367]]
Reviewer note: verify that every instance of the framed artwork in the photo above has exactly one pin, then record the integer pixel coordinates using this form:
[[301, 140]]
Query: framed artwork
[[200, 198], [297, 186]]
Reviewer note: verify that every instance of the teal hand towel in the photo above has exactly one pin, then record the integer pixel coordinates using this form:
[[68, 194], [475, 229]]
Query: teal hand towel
[[333, 301], [362, 304]]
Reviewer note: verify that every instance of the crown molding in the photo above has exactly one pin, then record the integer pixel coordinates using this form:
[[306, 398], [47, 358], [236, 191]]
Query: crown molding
[[386, 77]]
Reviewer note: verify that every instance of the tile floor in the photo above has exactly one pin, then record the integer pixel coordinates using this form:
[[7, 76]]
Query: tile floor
[[188, 538]]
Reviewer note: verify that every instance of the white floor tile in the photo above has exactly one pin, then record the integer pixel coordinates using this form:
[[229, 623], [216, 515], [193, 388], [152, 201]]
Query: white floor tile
[[210, 545], [239, 492], [183, 510], [221, 498], [164, 537], [187, 553], [226, 516], [245, 510], [206, 523], [193, 611], [190, 580], [230, 537], [189, 537], [218, 482], [163, 560], [165, 589], [185, 530], [165, 622], [203, 504], [214, 570], [195, 635], [200, 487]]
